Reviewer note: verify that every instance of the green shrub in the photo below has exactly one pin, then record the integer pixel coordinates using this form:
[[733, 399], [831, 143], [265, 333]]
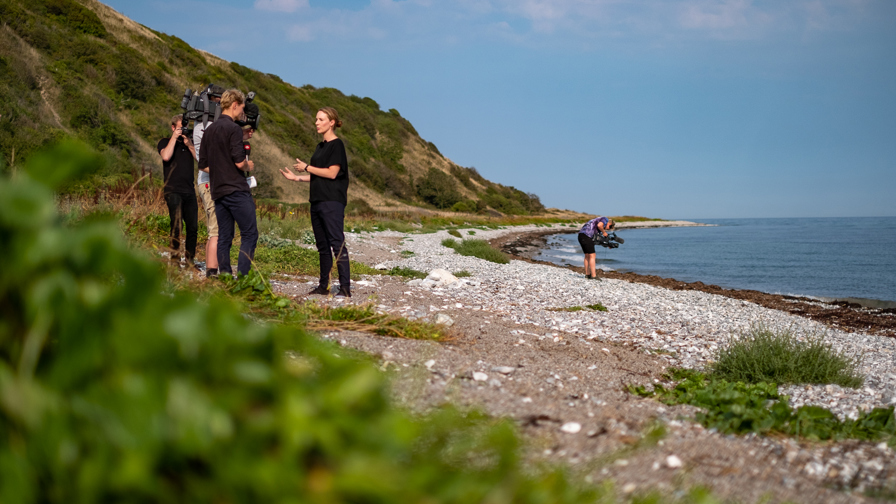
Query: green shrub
[[462, 274], [477, 248], [454, 232], [438, 189], [762, 355], [406, 272], [115, 387], [76, 16], [738, 407]]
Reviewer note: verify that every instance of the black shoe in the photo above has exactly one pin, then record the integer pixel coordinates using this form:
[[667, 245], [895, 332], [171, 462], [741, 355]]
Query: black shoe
[[211, 272], [320, 291], [344, 292]]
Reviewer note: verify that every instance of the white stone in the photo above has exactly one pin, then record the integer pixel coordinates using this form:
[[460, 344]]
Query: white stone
[[571, 427], [429, 364], [443, 319], [503, 369], [480, 376], [673, 462], [441, 277]]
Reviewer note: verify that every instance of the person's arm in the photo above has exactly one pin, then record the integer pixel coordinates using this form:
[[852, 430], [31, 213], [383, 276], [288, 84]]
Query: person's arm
[[203, 159], [189, 145], [330, 172], [292, 176], [198, 132], [600, 227], [238, 153], [168, 151]]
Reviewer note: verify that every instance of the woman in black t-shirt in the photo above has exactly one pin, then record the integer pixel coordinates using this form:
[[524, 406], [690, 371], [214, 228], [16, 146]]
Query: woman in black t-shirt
[[328, 174]]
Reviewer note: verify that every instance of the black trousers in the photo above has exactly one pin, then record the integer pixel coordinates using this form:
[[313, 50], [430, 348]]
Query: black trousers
[[184, 212], [239, 208], [327, 221]]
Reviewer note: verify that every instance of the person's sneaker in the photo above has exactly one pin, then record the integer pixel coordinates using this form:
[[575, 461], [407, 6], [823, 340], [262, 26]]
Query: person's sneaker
[[319, 291], [344, 292], [211, 272]]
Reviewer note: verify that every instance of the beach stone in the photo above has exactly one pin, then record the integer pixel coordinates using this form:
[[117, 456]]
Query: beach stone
[[478, 376], [441, 277], [503, 369], [443, 319], [673, 462], [571, 427]]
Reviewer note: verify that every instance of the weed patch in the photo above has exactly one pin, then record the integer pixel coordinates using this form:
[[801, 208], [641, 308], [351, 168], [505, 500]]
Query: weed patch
[[762, 355], [476, 248], [739, 408], [406, 272], [454, 232], [462, 274]]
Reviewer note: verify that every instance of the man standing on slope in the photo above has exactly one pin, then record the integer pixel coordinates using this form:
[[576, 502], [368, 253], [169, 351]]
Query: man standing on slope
[[223, 154], [177, 169], [211, 248]]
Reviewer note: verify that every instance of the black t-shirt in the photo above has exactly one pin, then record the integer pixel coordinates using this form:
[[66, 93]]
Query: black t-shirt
[[222, 149], [178, 171], [326, 155]]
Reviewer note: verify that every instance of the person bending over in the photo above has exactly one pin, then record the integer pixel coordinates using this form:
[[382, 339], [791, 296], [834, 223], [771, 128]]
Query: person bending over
[[223, 154], [177, 169], [327, 172], [211, 247], [593, 229]]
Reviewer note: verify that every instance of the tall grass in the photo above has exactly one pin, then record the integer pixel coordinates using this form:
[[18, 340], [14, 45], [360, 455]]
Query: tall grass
[[762, 355], [477, 248]]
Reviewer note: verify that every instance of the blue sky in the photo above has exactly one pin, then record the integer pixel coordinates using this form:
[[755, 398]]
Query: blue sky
[[663, 108]]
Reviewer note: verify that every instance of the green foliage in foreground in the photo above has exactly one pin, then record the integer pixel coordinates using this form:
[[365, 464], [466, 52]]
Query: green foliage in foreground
[[476, 248], [739, 408], [113, 389], [763, 355]]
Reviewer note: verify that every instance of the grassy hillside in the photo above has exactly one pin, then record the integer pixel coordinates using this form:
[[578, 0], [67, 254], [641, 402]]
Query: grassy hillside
[[80, 69]]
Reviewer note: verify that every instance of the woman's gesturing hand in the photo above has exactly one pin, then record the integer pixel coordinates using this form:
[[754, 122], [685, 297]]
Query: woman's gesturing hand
[[288, 174]]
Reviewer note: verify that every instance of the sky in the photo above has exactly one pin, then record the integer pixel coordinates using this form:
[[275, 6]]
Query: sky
[[676, 109]]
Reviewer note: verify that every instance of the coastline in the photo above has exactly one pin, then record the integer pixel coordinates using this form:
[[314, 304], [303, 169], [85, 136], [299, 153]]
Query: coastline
[[844, 315], [517, 351]]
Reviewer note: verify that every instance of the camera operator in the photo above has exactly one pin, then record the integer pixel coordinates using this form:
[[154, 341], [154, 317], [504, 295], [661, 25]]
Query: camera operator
[[223, 154], [177, 154], [595, 229], [211, 248]]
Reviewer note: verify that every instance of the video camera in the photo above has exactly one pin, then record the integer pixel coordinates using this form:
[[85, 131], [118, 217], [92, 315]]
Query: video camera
[[253, 116], [200, 107], [610, 241]]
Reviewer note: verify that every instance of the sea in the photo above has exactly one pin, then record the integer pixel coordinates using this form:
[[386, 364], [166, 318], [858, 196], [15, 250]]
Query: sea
[[851, 259]]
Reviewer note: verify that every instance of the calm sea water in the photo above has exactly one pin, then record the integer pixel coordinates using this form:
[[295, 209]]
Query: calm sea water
[[839, 258]]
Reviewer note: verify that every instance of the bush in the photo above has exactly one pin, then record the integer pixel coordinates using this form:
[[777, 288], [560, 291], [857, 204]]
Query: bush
[[438, 189], [761, 355], [113, 387], [738, 407], [76, 16], [477, 248]]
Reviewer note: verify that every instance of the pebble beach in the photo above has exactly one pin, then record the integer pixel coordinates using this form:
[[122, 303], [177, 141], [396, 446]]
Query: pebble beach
[[560, 374]]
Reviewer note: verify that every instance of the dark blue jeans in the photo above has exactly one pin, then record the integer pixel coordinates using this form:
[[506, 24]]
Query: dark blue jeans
[[327, 219], [238, 207]]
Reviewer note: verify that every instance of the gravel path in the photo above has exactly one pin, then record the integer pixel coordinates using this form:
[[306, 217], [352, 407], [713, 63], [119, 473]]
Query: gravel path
[[561, 374]]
